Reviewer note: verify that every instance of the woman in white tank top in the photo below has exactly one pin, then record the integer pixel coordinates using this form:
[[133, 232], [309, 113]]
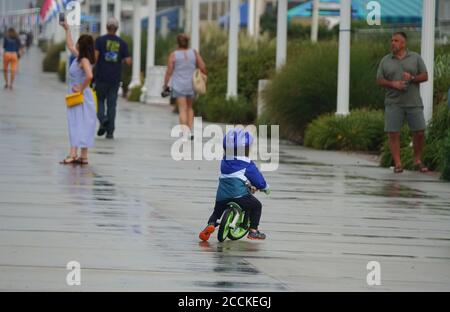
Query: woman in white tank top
[[180, 67]]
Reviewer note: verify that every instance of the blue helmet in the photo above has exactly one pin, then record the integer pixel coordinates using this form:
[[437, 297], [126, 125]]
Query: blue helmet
[[237, 138]]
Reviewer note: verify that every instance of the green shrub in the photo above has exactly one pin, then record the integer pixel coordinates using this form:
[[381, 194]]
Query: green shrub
[[254, 66], [441, 74], [256, 61], [62, 71], [163, 47], [303, 90], [436, 136], [219, 109], [307, 87], [43, 45], [446, 158], [300, 31], [365, 58], [361, 130], [51, 60]]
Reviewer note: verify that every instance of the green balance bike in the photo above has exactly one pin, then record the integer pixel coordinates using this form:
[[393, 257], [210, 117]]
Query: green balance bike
[[235, 222]]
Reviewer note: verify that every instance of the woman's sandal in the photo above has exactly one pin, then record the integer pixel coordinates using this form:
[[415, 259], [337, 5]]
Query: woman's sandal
[[69, 160], [420, 167], [398, 169], [82, 161]]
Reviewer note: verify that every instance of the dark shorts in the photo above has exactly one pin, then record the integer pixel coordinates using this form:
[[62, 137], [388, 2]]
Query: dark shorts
[[394, 117]]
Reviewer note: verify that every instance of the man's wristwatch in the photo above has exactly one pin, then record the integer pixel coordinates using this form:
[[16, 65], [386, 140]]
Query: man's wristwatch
[[412, 79]]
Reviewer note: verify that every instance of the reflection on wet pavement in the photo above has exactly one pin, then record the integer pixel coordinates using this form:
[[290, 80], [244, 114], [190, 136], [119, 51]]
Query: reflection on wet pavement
[[387, 190]]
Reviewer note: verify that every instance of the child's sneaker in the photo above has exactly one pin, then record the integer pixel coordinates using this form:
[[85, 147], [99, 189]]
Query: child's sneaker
[[256, 235], [206, 233]]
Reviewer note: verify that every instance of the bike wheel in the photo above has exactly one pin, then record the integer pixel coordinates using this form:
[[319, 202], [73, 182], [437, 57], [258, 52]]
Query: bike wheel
[[241, 229], [224, 229]]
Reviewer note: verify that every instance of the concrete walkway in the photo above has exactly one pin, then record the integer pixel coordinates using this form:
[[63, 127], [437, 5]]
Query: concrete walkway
[[131, 217]]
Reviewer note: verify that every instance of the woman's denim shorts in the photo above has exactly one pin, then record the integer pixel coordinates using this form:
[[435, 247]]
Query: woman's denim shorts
[[176, 94]]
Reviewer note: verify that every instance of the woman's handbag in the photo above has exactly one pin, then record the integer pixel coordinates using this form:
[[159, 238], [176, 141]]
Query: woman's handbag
[[77, 98], [199, 80], [74, 99]]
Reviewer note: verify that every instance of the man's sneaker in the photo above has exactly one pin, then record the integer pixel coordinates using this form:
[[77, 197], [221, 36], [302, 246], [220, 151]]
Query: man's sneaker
[[102, 129], [206, 233], [256, 235], [109, 136]]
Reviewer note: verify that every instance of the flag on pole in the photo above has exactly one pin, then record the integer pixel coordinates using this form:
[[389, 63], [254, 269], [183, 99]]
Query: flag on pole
[[44, 9]]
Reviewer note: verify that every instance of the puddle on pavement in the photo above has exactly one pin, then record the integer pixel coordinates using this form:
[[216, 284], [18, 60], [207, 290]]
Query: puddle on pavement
[[351, 177], [103, 190], [232, 265], [288, 159], [96, 196], [379, 255], [303, 163], [228, 285], [380, 236], [389, 190], [310, 176]]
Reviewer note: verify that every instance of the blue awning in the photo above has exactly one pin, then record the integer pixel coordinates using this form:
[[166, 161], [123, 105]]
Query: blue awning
[[398, 11]]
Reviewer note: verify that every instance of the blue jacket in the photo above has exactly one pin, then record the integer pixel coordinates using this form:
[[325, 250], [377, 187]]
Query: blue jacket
[[234, 174], [11, 45]]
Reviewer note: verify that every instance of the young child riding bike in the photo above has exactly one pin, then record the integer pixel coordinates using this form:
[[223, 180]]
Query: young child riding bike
[[237, 171]]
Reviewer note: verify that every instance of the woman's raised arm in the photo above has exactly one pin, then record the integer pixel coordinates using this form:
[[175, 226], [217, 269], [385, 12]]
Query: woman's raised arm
[[69, 41]]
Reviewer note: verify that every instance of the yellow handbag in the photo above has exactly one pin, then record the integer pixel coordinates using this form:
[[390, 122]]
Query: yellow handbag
[[77, 98], [74, 99]]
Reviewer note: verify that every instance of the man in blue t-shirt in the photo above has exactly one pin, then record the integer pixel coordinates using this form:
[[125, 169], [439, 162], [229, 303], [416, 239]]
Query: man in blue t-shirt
[[110, 51]]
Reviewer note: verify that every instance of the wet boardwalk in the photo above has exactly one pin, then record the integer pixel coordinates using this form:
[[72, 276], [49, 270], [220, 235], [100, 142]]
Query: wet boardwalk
[[131, 217]]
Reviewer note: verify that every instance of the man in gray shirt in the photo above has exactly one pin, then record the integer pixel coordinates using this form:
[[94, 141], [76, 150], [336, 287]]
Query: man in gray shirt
[[401, 72]]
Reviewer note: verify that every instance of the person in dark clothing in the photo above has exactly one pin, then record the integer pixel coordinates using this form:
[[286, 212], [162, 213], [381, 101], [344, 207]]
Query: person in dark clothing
[[110, 51], [30, 39]]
